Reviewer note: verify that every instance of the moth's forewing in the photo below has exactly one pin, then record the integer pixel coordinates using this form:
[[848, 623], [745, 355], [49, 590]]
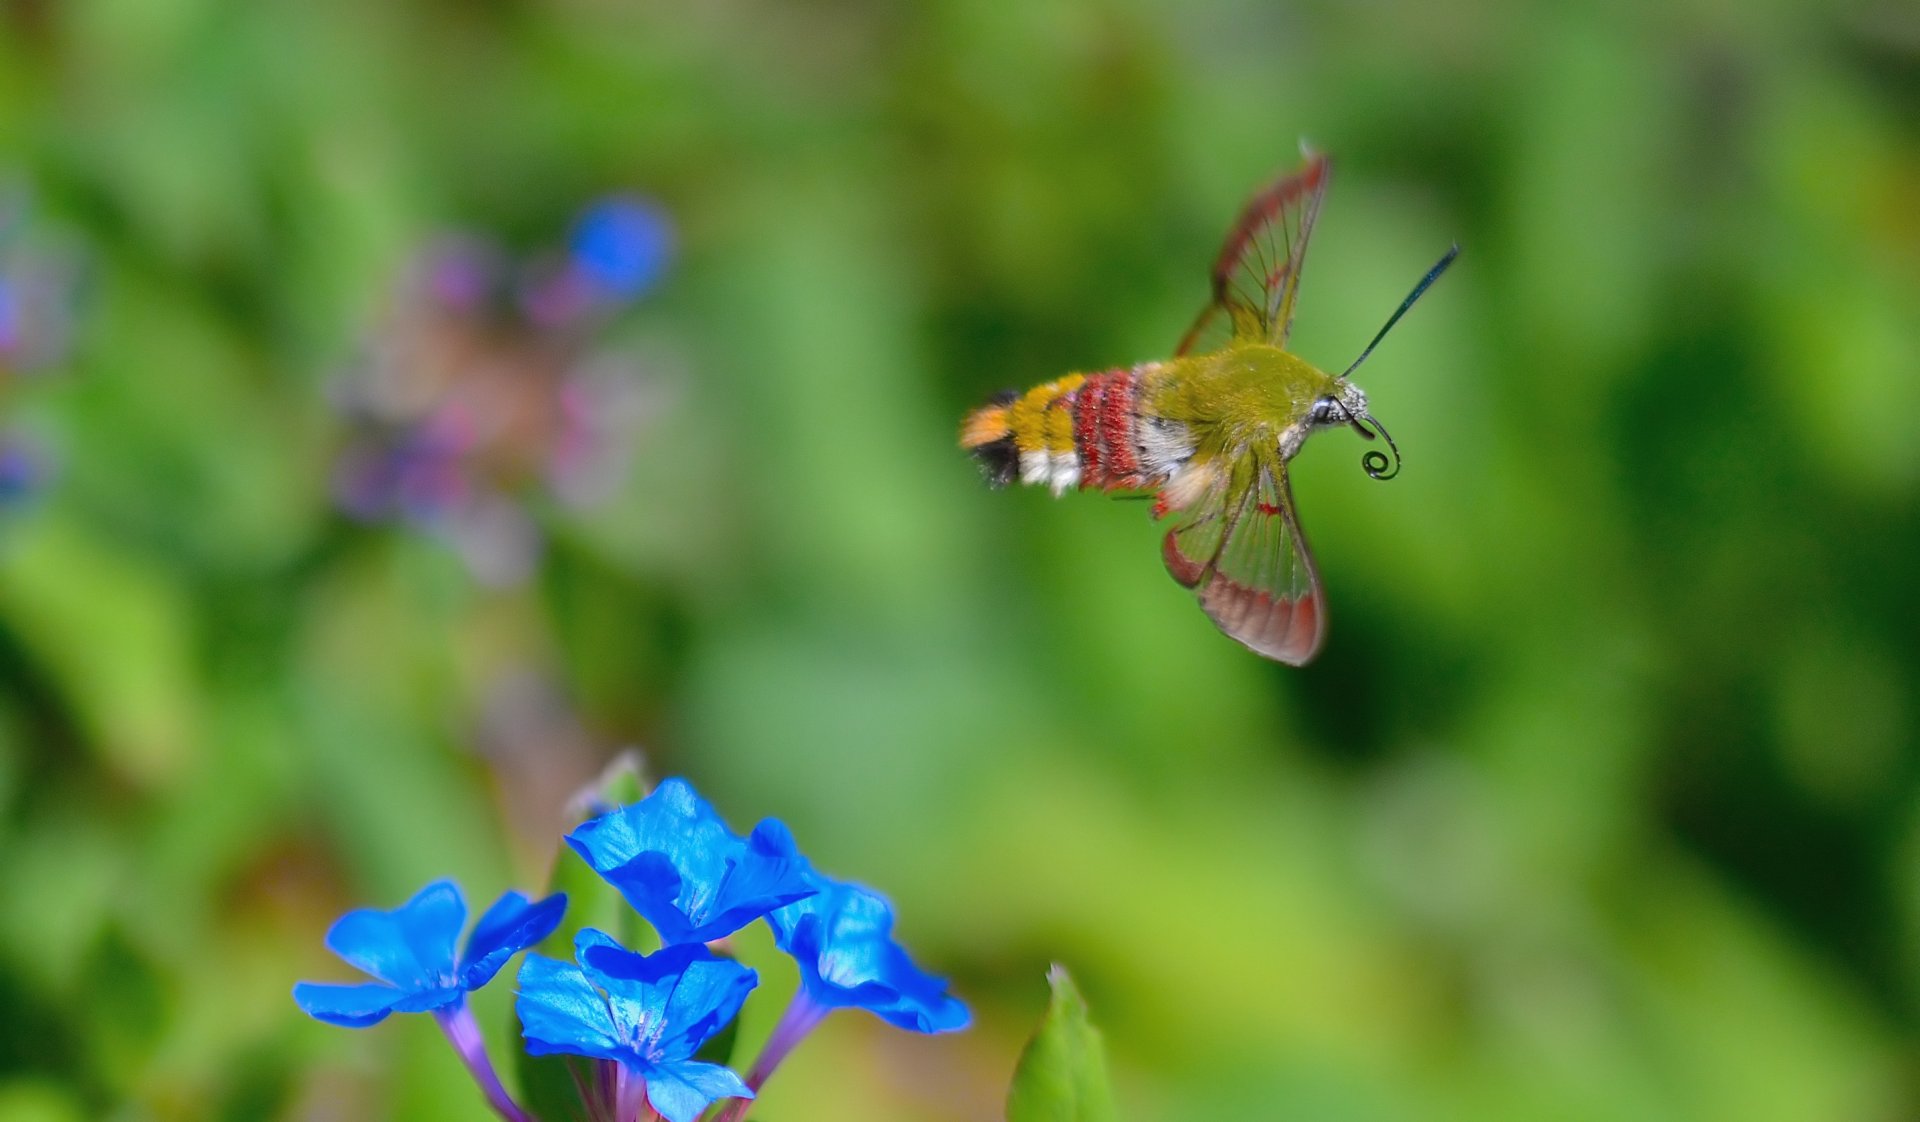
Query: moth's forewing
[[1257, 274]]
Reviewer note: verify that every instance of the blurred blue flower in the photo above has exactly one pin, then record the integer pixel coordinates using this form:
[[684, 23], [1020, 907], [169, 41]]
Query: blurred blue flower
[[620, 247], [648, 1013], [842, 939], [411, 950], [679, 866]]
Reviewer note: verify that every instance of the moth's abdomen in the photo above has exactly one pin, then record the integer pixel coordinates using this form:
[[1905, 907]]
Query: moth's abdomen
[[1028, 435], [1042, 425], [1082, 431]]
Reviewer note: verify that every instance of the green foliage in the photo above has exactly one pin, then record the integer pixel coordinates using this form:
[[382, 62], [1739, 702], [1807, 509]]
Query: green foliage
[[1062, 1075], [550, 1085]]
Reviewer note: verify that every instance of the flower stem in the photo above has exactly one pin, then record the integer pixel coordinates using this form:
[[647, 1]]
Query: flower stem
[[630, 1102], [803, 1015], [463, 1032]]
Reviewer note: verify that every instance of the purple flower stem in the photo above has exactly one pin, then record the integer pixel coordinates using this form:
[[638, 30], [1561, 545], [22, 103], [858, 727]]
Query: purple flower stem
[[630, 1097], [803, 1015], [463, 1032]]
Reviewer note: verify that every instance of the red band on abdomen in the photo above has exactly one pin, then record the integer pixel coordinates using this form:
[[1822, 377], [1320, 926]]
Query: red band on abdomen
[[1116, 423], [1086, 415]]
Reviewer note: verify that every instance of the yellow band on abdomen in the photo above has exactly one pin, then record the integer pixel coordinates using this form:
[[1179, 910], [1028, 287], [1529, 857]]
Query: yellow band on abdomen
[[1033, 429]]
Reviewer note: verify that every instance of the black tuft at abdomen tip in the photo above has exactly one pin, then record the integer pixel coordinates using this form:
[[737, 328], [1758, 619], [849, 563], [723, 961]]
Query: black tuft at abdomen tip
[[999, 461]]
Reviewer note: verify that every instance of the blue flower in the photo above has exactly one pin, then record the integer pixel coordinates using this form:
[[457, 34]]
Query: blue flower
[[679, 866], [842, 939], [411, 950], [620, 246], [648, 1013]]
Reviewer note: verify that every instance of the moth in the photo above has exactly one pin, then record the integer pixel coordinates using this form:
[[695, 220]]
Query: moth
[[1211, 431]]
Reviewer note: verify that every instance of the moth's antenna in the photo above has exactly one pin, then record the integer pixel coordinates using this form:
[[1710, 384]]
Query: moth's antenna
[[1433, 274]]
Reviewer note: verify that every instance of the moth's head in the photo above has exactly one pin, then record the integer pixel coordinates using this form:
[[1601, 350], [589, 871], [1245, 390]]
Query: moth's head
[[1342, 404], [1346, 404]]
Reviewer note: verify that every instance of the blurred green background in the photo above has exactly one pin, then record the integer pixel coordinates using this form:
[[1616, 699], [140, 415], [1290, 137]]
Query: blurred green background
[[1603, 801]]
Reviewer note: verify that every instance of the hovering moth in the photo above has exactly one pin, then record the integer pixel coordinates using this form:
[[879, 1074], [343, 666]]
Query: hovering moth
[[1211, 430]]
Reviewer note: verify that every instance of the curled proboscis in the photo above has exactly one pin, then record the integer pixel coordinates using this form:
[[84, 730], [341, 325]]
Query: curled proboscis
[[1378, 464]]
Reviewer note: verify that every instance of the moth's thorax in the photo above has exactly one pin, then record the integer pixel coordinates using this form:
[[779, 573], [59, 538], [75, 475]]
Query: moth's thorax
[[1244, 394], [1242, 386]]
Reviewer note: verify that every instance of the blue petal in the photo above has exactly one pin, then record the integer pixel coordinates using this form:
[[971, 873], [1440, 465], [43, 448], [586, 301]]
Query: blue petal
[[562, 1013], [348, 1006], [412, 946], [589, 937], [509, 927], [608, 963], [920, 1001], [621, 246], [708, 997], [674, 999], [681, 1091], [653, 885], [679, 866], [842, 940], [642, 849], [769, 873]]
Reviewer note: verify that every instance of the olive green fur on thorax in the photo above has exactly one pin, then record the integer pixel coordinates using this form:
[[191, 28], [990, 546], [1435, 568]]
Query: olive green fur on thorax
[[1245, 394]]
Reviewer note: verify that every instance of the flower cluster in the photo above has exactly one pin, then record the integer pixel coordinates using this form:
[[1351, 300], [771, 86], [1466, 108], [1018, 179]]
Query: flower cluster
[[643, 1017], [485, 385]]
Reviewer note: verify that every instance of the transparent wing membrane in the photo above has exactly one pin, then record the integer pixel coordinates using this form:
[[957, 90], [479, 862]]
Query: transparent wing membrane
[[1240, 549], [1257, 275], [1192, 546]]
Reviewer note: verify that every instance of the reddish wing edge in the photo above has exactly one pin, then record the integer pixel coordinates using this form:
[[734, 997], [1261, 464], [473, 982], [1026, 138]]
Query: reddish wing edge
[[1243, 554], [1257, 274]]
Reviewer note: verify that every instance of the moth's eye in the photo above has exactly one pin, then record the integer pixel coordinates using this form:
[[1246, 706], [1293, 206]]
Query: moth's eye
[[1327, 411]]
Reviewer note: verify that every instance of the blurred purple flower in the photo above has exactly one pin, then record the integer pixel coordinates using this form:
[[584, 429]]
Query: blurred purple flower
[[39, 291], [471, 400], [461, 273], [25, 468]]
